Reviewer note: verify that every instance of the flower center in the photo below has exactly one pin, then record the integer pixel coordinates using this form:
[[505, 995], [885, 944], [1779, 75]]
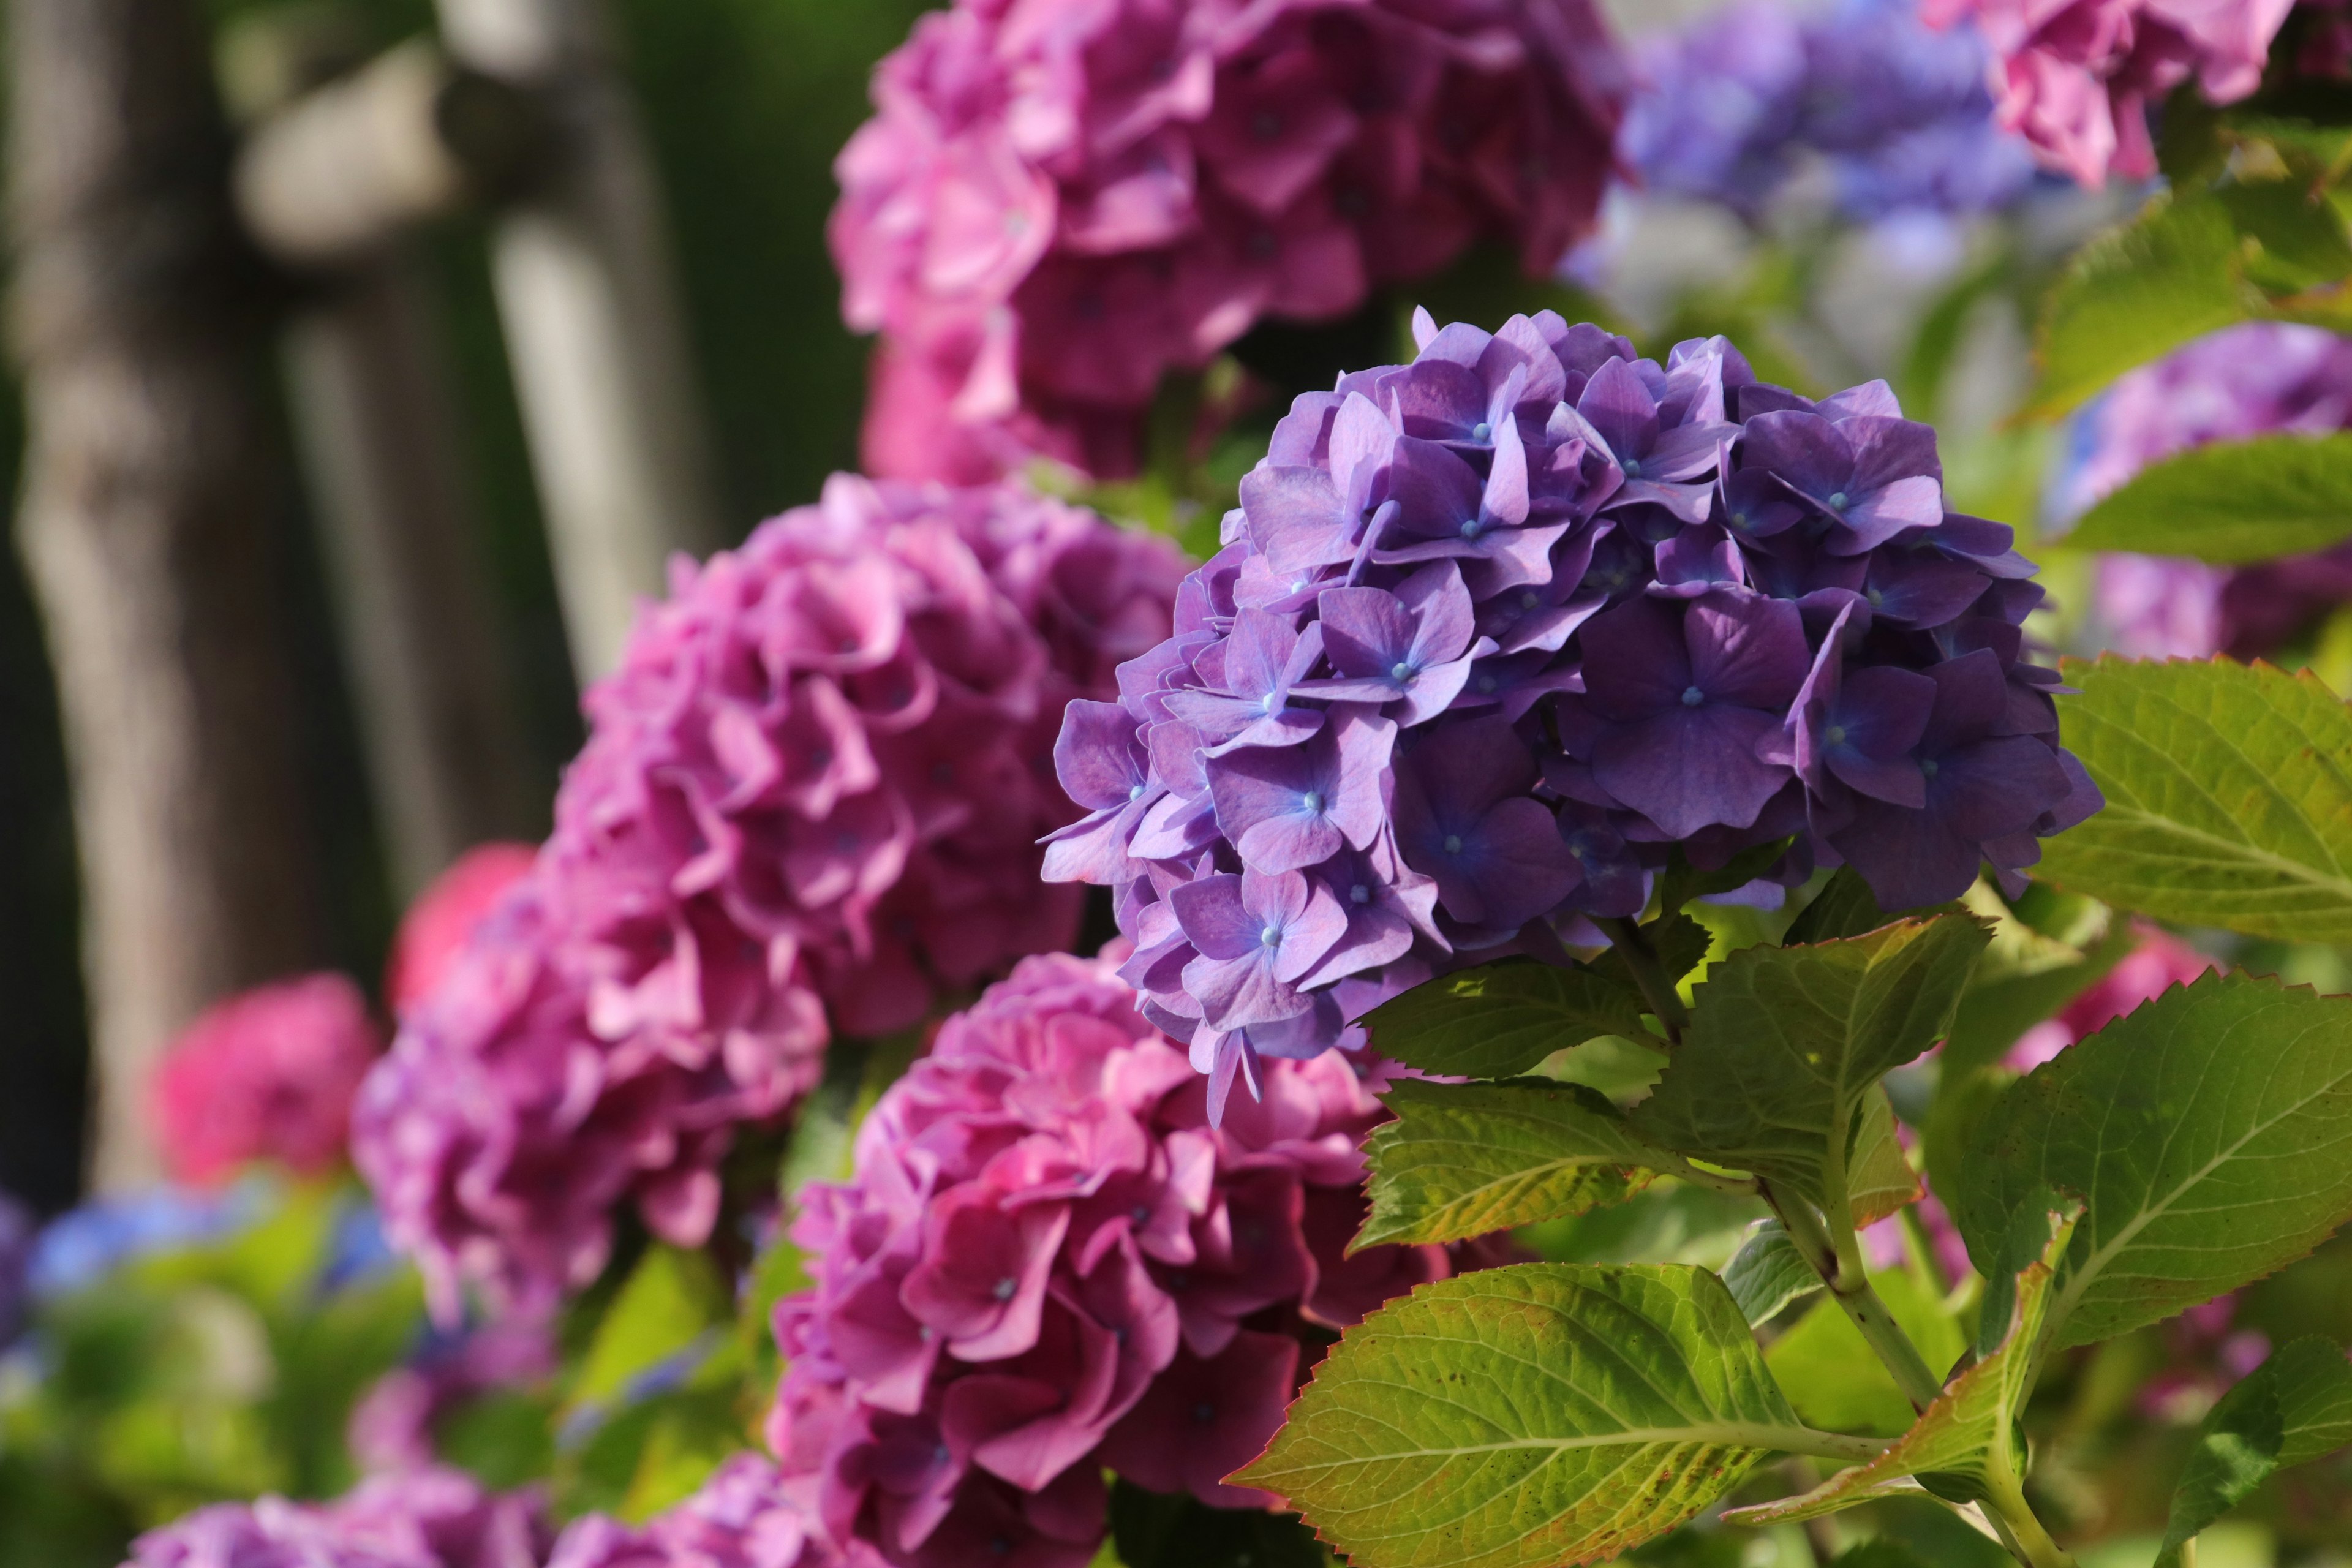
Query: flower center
[[1453, 844], [1874, 596], [1312, 800], [1835, 734], [943, 773], [1400, 672], [1204, 1412], [1928, 767], [1633, 468], [1359, 894], [1527, 601], [1472, 528], [1270, 937], [1482, 431], [1140, 1213], [1693, 696], [1838, 499], [1486, 685], [1265, 125]]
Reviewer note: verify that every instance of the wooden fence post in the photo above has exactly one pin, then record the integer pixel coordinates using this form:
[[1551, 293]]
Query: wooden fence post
[[586, 287], [142, 321]]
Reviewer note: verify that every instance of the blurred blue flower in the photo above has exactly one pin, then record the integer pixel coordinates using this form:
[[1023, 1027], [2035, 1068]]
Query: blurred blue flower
[[1899, 113], [83, 1246]]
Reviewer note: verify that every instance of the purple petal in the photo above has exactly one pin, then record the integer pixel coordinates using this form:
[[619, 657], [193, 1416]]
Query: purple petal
[[1636, 661], [1367, 632], [1620, 408], [1877, 516], [1298, 518], [1213, 918], [1095, 755], [1805, 450], [1690, 768], [1746, 648], [1886, 450]]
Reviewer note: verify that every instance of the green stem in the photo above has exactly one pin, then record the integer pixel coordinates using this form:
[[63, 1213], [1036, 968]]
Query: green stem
[[1850, 1288], [2010, 1511], [1657, 986]]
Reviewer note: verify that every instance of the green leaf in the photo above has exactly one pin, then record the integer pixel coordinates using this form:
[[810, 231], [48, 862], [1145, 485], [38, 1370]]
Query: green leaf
[[1531, 1415], [1785, 1044], [1682, 881], [2209, 1130], [2294, 1408], [1845, 906], [1680, 942], [1965, 1445], [2228, 799], [2026, 976], [2231, 504], [670, 1300], [1768, 1274], [1879, 1179], [1501, 1019], [2136, 293], [1836, 1381], [1153, 1530], [1463, 1160]]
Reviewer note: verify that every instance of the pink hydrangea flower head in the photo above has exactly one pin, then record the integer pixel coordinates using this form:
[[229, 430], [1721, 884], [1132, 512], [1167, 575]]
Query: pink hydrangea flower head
[[1057, 203], [1044, 1264], [437, 1518], [2259, 378], [437, 925], [744, 1516], [266, 1075], [811, 796], [2077, 77]]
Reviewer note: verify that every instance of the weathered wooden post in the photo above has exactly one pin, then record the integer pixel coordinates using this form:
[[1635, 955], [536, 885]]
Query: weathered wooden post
[[142, 321]]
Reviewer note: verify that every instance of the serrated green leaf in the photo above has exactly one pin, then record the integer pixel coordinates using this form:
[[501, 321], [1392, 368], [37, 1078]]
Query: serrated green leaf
[[1965, 1442], [1879, 1179], [1531, 1415], [1768, 1274], [1680, 942], [2294, 1408], [2209, 1130], [1785, 1044], [1463, 1160], [1845, 906], [2169, 276], [2227, 798], [670, 1300], [2025, 977], [2233, 502], [1500, 1019]]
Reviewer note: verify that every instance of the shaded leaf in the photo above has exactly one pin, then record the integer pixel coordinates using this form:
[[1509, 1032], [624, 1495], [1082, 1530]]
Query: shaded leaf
[[1463, 1160], [1768, 1274], [1785, 1044], [1836, 1381], [670, 1300], [1152, 1530], [2209, 1130], [2136, 293], [1500, 1019], [2233, 502], [1845, 906], [1879, 1179], [2228, 799], [1965, 1445], [1683, 881], [1530, 1415], [2294, 1408], [1680, 942]]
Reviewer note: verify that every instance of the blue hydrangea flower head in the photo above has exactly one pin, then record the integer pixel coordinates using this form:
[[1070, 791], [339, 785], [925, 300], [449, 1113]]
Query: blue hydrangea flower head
[[1497, 635]]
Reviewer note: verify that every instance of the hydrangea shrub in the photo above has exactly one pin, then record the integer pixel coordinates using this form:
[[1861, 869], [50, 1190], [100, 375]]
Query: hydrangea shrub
[[808, 802], [1496, 634], [1057, 203]]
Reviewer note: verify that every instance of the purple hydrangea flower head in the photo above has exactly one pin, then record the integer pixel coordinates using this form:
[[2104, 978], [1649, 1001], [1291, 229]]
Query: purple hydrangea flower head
[[1737, 104], [1049, 1261], [1056, 204], [2260, 378], [436, 1518], [744, 1516], [1714, 615], [809, 797]]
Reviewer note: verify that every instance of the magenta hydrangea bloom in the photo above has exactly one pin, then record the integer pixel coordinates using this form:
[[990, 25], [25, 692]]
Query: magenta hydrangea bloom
[[266, 1075], [1494, 632], [426, 1519], [744, 1516], [809, 797], [1057, 203], [1049, 1261], [2077, 77], [2259, 378]]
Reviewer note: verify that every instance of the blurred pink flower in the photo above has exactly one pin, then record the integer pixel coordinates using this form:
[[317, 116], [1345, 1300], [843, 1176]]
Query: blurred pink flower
[[1044, 1264], [427, 1518], [1057, 203], [743, 1517], [2077, 77], [443, 915], [2159, 962], [391, 1428], [811, 796], [266, 1075]]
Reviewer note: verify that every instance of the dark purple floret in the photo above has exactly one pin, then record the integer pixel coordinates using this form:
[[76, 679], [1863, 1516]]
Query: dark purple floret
[[1497, 635]]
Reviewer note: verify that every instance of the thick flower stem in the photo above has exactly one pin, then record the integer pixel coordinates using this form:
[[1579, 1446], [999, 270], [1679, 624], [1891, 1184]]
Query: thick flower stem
[[1650, 974], [1851, 1288], [2014, 1517]]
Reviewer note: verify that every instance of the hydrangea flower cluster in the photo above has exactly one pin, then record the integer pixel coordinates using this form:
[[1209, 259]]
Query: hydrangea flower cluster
[[1494, 632], [427, 1518], [266, 1075], [744, 1516], [2258, 378], [1049, 1261], [812, 791], [1056, 202], [1737, 104], [2077, 77]]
